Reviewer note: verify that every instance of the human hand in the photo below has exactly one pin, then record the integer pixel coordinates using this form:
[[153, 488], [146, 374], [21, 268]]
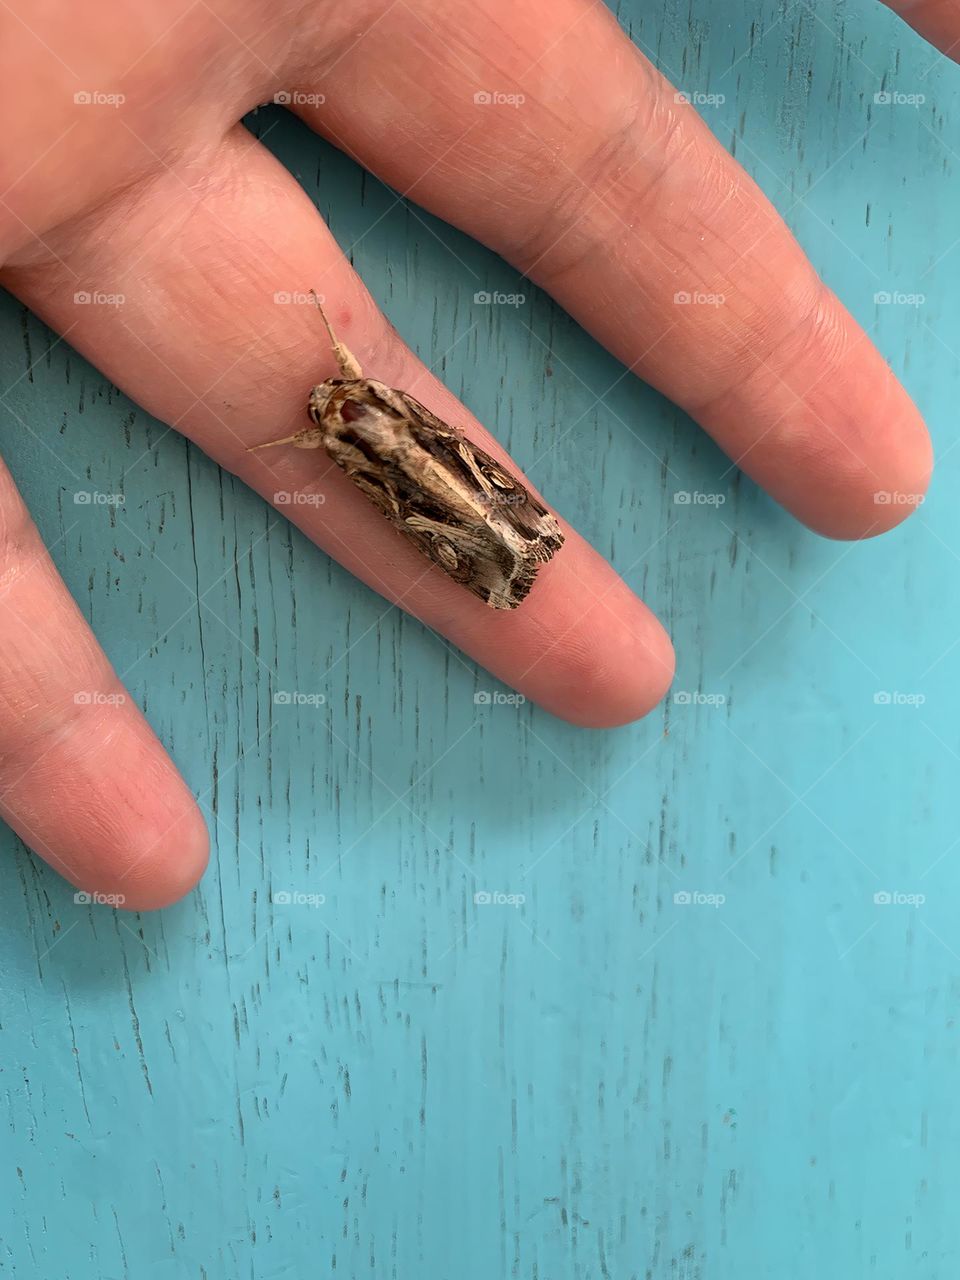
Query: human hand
[[604, 188]]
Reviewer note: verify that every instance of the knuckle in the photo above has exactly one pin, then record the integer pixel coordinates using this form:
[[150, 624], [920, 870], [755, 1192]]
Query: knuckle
[[606, 192]]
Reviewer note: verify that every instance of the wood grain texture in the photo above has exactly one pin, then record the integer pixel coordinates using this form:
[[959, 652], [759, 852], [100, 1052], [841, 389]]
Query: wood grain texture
[[598, 1082]]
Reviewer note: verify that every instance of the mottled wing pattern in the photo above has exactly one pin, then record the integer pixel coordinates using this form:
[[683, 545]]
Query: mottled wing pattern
[[502, 492], [452, 499]]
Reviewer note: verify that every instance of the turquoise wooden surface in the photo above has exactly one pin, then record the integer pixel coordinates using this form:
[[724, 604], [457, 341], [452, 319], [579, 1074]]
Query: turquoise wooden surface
[[381, 1076]]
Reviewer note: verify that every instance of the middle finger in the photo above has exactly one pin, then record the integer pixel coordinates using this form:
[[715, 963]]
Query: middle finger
[[541, 130]]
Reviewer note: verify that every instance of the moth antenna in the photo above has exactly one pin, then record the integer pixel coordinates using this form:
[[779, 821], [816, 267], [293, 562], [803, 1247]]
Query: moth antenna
[[347, 362]]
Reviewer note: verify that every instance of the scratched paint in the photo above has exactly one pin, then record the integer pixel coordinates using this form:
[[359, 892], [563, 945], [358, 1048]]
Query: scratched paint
[[581, 1077]]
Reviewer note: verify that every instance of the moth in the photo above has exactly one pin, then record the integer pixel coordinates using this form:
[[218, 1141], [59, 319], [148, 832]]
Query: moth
[[455, 503]]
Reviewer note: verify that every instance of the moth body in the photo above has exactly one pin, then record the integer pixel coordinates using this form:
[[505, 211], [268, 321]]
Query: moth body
[[449, 497]]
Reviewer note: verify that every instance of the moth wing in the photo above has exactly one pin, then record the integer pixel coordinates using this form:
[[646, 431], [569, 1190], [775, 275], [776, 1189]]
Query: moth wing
[[466, 512], [505, 496]]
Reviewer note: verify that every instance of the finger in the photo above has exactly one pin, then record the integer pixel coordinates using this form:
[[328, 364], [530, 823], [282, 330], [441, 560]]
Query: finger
[[937, 21], [83, 780], [577, 163], [201, 342]]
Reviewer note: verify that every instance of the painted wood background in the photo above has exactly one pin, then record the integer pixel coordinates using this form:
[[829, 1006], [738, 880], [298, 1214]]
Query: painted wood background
[[383, 1077]]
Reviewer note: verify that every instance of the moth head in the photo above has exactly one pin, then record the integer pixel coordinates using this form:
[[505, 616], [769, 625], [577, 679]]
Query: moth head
[[320, 398]]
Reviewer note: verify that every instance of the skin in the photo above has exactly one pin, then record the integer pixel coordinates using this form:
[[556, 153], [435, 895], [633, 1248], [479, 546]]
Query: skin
[[603, 188]]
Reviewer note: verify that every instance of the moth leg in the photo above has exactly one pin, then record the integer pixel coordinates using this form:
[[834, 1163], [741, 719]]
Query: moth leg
[[308, 438], [347, 362]]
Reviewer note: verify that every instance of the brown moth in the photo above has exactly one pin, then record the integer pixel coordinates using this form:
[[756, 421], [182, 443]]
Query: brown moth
[[454, 502]]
